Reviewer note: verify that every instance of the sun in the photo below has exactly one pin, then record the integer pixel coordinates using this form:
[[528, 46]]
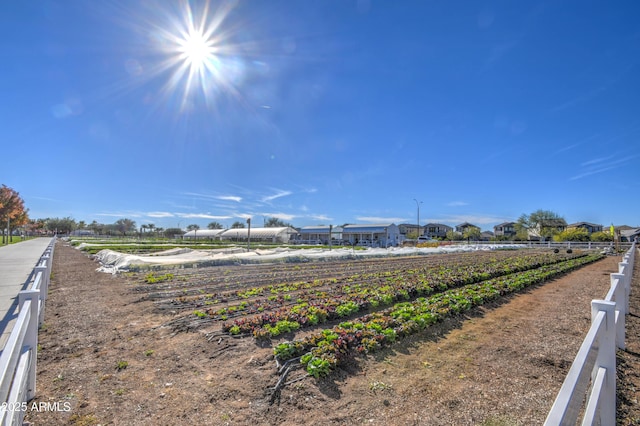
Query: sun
[[196, 50], [199, 57]]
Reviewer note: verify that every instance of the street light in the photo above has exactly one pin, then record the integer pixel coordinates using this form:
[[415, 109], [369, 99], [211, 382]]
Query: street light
[[418, 205], [249, 234]]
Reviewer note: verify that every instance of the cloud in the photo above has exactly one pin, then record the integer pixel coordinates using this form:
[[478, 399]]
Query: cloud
[[160, 214], [229, 198], [279, 194], [600, 165], [457, 204], [202, 216], [281, 216], [379, 219], [321, 217], [120, 215]]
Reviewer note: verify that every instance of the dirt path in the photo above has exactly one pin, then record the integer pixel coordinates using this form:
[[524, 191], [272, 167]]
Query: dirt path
[[103, 353]]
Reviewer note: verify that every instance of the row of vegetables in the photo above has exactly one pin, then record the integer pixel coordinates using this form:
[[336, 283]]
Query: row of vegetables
[[323, 350], [277, 314]]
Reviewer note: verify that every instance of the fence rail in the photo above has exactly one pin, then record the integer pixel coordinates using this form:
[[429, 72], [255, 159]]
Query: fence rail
[[18, 358], [593, 372]]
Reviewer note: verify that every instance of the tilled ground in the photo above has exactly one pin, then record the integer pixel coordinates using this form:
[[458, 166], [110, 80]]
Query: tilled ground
[[105, 352]]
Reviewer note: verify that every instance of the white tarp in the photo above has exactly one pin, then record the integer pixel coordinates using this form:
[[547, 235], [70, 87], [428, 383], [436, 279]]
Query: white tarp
[[113, 261]]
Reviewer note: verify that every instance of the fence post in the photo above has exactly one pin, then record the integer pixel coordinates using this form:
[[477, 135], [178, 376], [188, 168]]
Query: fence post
[[31, 337], [621, 301], [606, 359]]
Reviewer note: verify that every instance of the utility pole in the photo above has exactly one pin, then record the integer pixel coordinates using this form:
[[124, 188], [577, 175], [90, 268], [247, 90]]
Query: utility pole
[[249, 234], [418, 205]]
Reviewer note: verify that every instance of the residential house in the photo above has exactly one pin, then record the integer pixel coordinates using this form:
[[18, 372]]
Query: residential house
[[590, 227], [320, 234], [550, 226], [436, 230], [376, 235], [505, 229], [464, 226], [406, 229]]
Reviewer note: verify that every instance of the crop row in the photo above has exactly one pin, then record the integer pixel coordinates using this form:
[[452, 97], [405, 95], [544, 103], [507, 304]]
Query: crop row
[[309, 308], [324, 350]]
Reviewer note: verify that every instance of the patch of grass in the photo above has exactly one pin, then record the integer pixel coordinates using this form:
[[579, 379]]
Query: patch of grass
[[86, 420], [119, 391], [121, 365], [148, 352], [500, 421]]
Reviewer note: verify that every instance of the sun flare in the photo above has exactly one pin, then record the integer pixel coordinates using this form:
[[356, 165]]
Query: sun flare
[[202, 61], [196, 49]]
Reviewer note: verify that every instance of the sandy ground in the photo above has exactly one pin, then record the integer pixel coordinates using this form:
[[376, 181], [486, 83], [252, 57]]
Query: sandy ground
[[106, 357]]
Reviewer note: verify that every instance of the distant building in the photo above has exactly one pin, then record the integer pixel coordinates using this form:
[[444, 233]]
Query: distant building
[[506, 229], [464, 226], [556, 225], [203, 234], [486, 236], [319, 234], [436, 230], [590, 227], [267, 235], [378, 235], [406, 229]]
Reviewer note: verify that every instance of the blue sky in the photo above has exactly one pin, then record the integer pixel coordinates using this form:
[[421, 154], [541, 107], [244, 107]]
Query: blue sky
[[322, 112]]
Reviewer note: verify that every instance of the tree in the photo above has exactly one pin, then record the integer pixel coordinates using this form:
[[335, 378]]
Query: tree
[[237, 224], [125, 225], [543, 224], [173, 232], [193, 227], [454, 236], [573, 234], [12, 211], [471, 233], [64, 225], [274, 222], [601, 236], [214, 225]]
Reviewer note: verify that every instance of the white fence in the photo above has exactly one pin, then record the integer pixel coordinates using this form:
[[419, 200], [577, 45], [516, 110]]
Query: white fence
[[595, 365], [18, 359]]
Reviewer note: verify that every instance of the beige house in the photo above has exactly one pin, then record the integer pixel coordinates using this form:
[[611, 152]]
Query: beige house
[[436, 230], [506, 229], [590, 227]]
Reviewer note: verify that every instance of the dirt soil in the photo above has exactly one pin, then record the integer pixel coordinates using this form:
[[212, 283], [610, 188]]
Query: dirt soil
[[105, 356]]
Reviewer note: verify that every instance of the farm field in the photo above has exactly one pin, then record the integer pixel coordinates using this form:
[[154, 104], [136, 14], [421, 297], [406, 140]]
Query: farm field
[[419, 340]]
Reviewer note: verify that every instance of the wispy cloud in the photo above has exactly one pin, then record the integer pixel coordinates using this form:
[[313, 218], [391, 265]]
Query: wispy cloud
[[457, 204], [202, 216], [577, 144], [281, 216], [381, 219], [160, 214], [601, 165], [277, 195], [235, 198], [321, 217], [596, 161], [120, 215]]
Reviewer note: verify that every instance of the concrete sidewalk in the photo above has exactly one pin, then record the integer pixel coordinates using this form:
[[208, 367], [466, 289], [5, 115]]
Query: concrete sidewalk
[[16, 266]]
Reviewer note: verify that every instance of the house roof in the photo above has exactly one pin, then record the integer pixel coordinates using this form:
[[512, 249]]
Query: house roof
[[467, 224], [577, 224], [375, 228], [439, 224], [505, 224], [320, 229]]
